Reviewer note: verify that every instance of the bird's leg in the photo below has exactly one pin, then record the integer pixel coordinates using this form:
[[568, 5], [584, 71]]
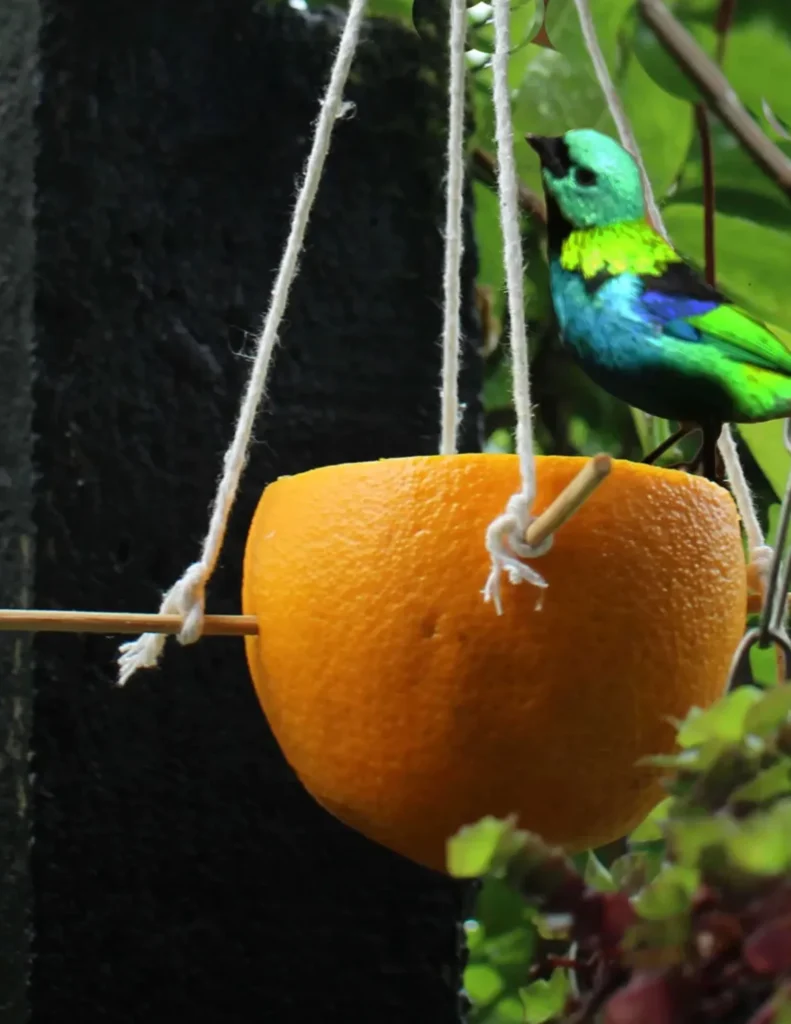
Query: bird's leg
[[707, 460], [683, 430]]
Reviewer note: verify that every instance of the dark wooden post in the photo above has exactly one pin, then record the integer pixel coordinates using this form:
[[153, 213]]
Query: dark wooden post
[[180, 870]]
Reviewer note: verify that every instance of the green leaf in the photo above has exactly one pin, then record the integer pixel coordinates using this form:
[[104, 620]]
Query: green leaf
[[769, 784], [666, 938], [563, 28], [651, 828], [690, 837], [553, 927], [752, 259], [765, 441], [488, 237], [514, 948], [500, 442], [723, 721], [669, 894], [782, 1006], [763, 665], [596, 874], [483, 983], [555, 95], [391, 10], [526, 18], [544, 1000], [658, 63], [500, 909], [559, 90], [762, 843], [770, 712], [743, 189], [477, 849], [685, 760], [633, 870], [755, 51], [508, 1010], [497, 388], [662, 124], [475, 935]]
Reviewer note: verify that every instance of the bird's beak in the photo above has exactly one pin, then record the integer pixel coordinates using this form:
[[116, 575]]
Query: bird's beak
[[552, 152]]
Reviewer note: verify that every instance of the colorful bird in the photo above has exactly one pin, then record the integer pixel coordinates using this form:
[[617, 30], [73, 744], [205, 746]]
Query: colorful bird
[[640, 320]]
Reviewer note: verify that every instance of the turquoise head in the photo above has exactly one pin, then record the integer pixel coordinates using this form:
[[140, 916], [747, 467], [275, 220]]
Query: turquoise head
[[589, 179]]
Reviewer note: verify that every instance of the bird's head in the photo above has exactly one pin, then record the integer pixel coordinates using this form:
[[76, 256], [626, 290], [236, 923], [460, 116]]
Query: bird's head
[[591, 178]]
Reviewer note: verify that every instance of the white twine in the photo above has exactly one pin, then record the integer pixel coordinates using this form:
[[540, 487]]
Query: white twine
[[454, 238], [505, 537], [625, 132], [760, 552], [186, 598]]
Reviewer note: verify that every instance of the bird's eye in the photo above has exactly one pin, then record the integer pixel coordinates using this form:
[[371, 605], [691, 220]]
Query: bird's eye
[[585, 177]]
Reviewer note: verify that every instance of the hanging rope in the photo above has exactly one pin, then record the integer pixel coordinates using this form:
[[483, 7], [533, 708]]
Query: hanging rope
[[616, 108], [505, 538], [187, 596], [760, 553], [454, 236]]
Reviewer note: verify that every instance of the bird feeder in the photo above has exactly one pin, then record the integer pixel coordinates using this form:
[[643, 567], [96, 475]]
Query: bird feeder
[[408, 709], [406, 704]]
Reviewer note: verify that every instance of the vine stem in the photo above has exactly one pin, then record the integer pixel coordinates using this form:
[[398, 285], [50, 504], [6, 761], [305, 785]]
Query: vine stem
[[485, 170], [725, 15], [714, 86]]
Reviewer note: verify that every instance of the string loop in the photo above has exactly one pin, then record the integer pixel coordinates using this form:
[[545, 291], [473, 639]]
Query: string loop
[[187, 596], [505, 537]]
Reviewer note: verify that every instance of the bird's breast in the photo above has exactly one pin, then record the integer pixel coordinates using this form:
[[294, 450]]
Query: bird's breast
[[603, 326], [620, 350]]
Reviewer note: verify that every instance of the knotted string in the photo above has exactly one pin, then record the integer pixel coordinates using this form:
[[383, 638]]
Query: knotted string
[[187, 596], [506, 536]]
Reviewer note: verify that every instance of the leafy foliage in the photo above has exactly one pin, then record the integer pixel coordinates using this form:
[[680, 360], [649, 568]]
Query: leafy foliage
[[690, 919], [691, 923], [554, 90]]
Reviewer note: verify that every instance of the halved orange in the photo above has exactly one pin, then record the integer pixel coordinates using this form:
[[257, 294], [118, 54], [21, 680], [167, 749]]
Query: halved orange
[[409, 708]]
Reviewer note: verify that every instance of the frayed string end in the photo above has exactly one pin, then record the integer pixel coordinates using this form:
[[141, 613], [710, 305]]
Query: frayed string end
[[187, 599], [506, 544]]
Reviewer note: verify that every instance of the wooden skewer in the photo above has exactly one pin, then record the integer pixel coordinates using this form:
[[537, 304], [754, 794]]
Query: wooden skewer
[[120, 623], [570, 499], [112, 623]]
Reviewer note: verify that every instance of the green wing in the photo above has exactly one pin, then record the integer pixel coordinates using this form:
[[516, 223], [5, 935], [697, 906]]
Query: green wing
[[744, 338], [688, 309]]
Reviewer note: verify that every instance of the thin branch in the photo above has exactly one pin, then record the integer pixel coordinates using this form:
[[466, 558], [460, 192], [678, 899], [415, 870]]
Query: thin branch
[[722, 27], [485, 168], [722, 99], [725, 14]]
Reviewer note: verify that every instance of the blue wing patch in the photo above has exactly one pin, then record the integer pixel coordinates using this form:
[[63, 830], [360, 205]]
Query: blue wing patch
[[669, 313]]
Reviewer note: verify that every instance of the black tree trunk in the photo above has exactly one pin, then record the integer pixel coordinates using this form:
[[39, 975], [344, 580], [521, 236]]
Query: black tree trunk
[[180, 870]]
